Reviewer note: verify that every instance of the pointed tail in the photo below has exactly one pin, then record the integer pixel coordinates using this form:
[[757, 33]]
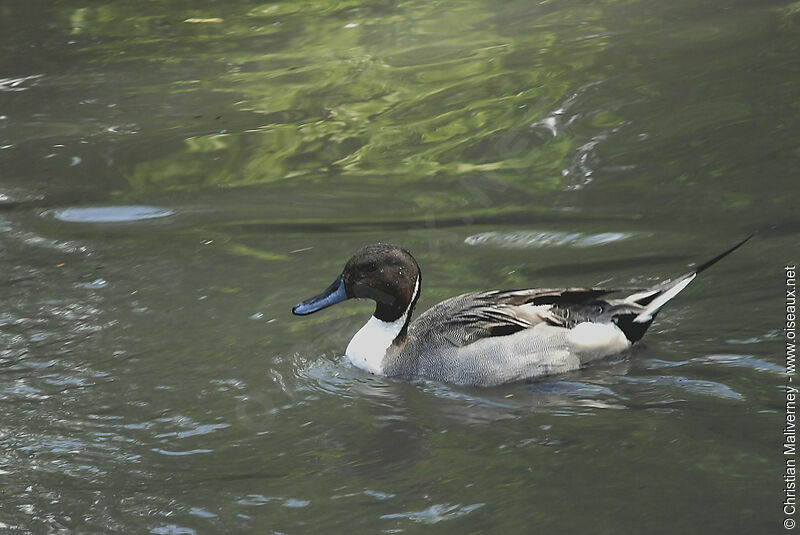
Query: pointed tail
[[653, 299]]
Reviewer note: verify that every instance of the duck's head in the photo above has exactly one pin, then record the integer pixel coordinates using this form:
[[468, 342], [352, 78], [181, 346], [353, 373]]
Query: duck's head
[[385, 273]]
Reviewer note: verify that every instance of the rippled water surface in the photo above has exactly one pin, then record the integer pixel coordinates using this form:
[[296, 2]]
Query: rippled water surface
[[174, 176]]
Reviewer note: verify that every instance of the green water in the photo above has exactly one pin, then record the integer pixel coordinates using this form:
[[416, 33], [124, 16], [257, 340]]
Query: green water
[[169, 189]]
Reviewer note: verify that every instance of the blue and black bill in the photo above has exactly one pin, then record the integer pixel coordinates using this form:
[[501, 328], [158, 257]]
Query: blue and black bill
[[335, 293]]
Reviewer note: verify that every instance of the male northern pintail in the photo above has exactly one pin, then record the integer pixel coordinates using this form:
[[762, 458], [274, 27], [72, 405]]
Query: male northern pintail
[[486, 338]]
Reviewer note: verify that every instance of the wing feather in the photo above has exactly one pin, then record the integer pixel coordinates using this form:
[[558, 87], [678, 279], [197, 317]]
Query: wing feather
[[466, 318]]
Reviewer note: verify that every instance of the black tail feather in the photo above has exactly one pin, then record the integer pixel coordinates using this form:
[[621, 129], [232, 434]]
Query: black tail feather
[[702, 267], [634, 330], [669, 283]]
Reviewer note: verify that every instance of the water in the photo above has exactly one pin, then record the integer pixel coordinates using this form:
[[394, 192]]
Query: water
[[174, 177]]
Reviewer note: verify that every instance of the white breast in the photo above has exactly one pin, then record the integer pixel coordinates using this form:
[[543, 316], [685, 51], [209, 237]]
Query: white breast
[[368, 347]]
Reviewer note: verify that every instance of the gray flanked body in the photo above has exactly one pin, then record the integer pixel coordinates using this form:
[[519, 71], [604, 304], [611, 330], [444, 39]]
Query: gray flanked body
[[486, 338]]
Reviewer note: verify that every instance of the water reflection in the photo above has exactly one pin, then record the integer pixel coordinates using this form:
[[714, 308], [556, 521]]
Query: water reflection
[[435, 513], [110, 214], [533, 239], [19, 84]]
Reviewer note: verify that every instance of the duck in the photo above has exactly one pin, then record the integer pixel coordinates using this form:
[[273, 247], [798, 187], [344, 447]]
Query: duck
[[487, 338]]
